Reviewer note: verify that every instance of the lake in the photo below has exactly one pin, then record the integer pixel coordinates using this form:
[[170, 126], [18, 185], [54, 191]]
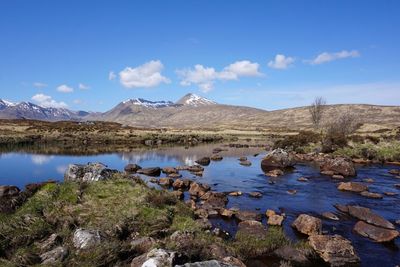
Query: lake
[[317, 195]]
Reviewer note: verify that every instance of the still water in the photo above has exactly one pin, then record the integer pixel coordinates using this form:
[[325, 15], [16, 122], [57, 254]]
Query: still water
[[317, 195]]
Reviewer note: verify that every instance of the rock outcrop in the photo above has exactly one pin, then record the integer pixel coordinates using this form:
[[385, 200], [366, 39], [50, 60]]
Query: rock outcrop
[[88, 173]]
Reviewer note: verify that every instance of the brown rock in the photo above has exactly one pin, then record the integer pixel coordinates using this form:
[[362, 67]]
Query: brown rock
[[245, 163], [216, 157], [255, 194], [248, 216], [156, 171], [371, 195], [302, 179], [232, 261], [329, 173], [226, 213], [342, 208], [235, 193], [395, 171], [375, 233], [242, 158], [391, 194], [205, 161], [274, 173], [197, 190], [179, 194], [307, 224], [291, 192], [334, 249], [338, 177], [275, 220], [174, 175], [339, 165], [132, 168], [269, 213], [365, 214], [165, 181], [368, 180], [251, 228], [8, 191], [169, 170], [352, 186]]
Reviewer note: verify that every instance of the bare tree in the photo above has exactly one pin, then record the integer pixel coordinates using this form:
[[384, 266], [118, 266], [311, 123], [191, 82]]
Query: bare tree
[[316, 110]]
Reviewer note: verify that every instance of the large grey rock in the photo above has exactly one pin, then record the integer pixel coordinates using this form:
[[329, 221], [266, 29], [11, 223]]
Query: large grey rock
[[88, 173], [277, 159], [334, 249], [84, 239], [8, 191], [53, 256], [212, 263], [155, 258]]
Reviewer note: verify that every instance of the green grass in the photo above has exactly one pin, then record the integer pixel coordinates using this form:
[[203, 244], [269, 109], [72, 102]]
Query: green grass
[[383, 151]]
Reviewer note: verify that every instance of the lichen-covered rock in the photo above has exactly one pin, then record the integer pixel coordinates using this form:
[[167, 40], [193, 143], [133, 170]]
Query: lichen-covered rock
[[334, 249], [88, 173], [277, 159], [54, 256], [275, 219], [307, 224], [339, 165], [132, 168], [155, 258], [84, 239]]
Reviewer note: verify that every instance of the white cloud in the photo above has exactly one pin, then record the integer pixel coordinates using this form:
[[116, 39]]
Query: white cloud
[[145, 76], [83, 86], [111, 76], [65, 89], [205, 77], [327, 57], [41, 159], [47, 101], [39, 85], [281, 62]]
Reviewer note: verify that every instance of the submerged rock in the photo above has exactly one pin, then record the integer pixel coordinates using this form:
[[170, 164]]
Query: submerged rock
[[330, 216], [296, 255], [277, 159], [307, 224], [365, 214], [339, 165], [245, 163], [334, 249], [255, 194], [88, 173], [353, 187], [216, 157], [246, 215], [375, 233], [371, 195], [84, 239]]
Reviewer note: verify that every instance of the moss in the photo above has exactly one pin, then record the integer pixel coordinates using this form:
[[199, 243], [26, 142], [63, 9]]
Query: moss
[[382, 151], [248, 246]]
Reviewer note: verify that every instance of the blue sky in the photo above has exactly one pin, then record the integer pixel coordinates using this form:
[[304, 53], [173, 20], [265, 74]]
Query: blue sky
[[265, 54]]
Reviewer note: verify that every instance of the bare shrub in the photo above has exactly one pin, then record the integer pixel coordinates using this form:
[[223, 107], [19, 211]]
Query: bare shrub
[[316, 110], [337, 131]]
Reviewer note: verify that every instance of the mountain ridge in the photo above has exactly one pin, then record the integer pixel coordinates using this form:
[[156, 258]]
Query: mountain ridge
[[195, 112]]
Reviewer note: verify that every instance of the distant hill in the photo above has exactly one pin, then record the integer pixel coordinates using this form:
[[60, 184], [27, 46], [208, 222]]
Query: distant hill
[[195, 112], [27, 110]]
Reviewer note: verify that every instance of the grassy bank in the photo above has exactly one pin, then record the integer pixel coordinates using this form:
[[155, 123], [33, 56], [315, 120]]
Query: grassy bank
[[121, 210]]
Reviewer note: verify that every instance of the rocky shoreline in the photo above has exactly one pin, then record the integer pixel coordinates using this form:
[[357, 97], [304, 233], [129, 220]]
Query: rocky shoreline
[[174, 226]]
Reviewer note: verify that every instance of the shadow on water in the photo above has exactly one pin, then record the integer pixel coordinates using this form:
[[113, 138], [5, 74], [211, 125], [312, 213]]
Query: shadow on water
[[25, 164]]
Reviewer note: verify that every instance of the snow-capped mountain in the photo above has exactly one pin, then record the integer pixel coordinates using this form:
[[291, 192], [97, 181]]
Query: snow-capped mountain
[[149, 104], [28, 110], [195, 101]]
